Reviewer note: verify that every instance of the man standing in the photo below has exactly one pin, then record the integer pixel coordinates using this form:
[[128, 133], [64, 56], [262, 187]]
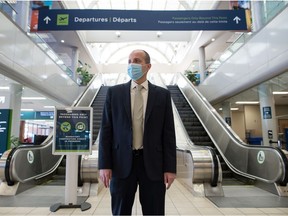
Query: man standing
[[137, 141]]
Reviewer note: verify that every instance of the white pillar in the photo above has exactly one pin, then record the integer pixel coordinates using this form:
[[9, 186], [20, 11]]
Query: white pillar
[[22, 18], [75, 58], [15, 105], [267, 109], [257, 15], [202, 63]]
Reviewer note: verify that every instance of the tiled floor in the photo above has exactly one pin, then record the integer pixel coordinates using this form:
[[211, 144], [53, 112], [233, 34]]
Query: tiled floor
[[179, 201]]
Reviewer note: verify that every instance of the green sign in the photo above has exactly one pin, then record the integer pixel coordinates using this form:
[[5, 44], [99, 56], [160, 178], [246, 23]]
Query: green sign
[[63, 19]]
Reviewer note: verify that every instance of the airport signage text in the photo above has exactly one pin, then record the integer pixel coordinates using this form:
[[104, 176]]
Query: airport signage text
[[71, 20]]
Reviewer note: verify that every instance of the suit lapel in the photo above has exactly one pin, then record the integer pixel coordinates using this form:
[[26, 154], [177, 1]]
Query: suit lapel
[[150, 101], [127, 100]]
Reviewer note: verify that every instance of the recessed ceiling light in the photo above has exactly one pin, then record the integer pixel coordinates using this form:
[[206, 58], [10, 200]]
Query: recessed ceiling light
[[27, 109], [4, 88], [280, 93], [213, 39], [33, 98], [247, 102], [232, 109], [62, 41]]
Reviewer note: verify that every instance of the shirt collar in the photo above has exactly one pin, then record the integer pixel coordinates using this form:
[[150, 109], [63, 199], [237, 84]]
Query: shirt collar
[[144, 84]]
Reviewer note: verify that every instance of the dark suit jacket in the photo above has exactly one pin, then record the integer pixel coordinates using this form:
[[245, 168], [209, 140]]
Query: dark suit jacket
[[115, 144]]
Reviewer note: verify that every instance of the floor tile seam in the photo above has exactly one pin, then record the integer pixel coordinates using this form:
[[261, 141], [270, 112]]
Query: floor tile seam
[[173, 204], [101, 199], [260, 209]]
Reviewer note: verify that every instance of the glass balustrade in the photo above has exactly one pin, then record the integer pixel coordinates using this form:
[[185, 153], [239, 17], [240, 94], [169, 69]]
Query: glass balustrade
[[9, 10], [271, 9]]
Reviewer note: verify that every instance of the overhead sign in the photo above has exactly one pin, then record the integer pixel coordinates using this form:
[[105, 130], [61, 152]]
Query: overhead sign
[[60, 20], [73, 130]]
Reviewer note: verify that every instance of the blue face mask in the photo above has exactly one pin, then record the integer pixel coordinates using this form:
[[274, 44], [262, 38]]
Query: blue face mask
[[135, 71]]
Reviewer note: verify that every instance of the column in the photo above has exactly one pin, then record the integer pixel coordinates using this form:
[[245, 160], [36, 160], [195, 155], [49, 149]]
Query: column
[[15, 105], [226, 110], [267, 109], [22, 18], [257, 13], [202, 63], [74, 64]]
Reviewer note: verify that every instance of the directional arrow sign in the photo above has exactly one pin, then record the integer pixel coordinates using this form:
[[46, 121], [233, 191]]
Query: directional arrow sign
[[2, 99], [237, 19], [142, 20], [47, 19]]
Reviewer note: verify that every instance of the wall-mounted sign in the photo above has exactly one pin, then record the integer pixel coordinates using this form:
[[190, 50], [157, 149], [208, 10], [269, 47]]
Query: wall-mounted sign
[[267, 113], [228, 120], [73, 130], [5, 125], [147, 20]]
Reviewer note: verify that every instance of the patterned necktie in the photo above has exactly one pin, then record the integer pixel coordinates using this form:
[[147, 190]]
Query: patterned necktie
[[138, 119]]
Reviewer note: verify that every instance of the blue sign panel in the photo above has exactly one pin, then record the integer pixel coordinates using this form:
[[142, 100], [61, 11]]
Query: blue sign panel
[[141, 20], [39, 115], [5, 122], [73, 131]]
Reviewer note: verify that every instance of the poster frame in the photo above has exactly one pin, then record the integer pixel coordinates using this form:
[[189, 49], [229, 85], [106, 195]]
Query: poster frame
[[55, 148]]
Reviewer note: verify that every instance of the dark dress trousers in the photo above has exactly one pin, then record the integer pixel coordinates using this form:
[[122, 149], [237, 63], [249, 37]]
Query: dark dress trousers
[[115, 143]]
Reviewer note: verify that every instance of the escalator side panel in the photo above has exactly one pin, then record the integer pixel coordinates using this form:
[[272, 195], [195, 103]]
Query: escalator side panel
[[256, 162]]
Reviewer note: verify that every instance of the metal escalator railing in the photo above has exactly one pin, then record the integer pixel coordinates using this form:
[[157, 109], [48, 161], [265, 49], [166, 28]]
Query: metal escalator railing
[[263, 163]]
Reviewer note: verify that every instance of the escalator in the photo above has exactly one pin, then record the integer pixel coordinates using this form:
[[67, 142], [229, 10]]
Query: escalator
[[27, 164], [259, 163], [97, 106], [193, 126]]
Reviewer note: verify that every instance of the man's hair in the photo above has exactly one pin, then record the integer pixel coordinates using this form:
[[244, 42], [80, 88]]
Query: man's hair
[[147, 57]]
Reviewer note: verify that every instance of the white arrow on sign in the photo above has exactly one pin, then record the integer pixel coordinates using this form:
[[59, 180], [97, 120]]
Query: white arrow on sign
[[2, 100], [47, 19], [237, 19]]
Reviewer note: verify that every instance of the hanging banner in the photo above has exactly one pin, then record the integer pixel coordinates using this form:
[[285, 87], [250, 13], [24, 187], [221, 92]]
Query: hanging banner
[[5, 125], [73, 130], [61, 20]]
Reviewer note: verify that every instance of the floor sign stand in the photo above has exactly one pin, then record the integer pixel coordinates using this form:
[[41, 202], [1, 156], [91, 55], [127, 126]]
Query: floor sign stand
[[72, 137]]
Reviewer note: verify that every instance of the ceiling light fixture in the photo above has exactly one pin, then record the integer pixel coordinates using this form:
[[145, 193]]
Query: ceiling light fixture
[[247, 102], [280, 93], [213, 39], [27, 109], [4, 88], [33, 98], [62, 41], [232, 109]]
